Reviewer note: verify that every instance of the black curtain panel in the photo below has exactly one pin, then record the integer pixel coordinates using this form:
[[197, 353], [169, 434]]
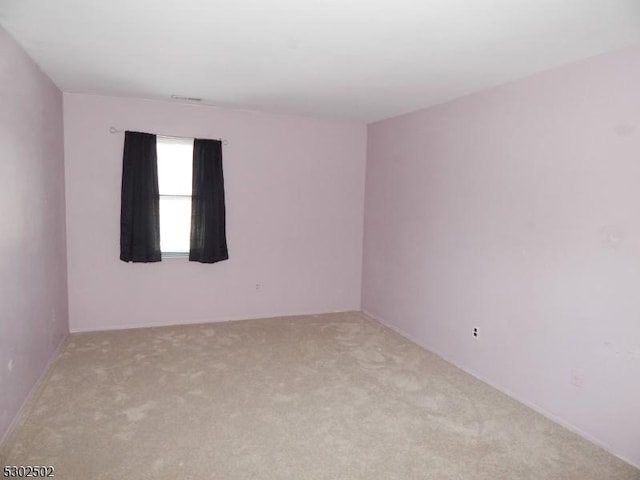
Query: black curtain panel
[[208, 233], [140, 207]]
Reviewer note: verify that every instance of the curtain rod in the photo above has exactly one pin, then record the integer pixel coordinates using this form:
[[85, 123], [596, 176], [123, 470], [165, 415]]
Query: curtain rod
[[117, 130]]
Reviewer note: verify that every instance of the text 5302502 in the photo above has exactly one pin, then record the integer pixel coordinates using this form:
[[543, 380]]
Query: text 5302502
[[24, 471]]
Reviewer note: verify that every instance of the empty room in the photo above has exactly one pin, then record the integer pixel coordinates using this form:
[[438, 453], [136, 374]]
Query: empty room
[[320, 239]]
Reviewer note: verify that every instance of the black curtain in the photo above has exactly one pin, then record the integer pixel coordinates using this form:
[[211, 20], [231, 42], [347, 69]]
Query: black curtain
[[140, 207], [208, 235]]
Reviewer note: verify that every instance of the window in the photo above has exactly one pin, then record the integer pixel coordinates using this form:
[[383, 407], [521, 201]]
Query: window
[[172, 199], [175, 164]]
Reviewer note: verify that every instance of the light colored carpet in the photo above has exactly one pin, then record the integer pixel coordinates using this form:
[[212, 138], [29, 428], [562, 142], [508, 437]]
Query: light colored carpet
[[315, 397]]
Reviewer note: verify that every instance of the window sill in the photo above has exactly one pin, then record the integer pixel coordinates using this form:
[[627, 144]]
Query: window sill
[[175, 255]]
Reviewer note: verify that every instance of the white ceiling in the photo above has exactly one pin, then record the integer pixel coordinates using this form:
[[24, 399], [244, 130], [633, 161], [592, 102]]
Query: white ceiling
[[354, 59]]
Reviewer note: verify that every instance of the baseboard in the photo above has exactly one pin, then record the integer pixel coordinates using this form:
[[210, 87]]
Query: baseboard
[[542, 411], [17, 418], [204, 321]]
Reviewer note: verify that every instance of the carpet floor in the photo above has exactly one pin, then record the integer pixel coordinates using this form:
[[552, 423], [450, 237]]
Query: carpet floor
[[333, 396]]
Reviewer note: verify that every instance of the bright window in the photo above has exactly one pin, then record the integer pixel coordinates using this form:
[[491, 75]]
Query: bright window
[[175, 164]]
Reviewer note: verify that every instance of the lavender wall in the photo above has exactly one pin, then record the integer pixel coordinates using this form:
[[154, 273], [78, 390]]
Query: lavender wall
[[295, 209], [33, 283], [517, 211]]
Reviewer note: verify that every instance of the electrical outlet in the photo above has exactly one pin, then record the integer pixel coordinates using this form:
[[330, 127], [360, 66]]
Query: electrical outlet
[[258, 287], [475, 332]]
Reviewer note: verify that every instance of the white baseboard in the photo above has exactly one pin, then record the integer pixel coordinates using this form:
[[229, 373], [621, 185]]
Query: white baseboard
[[204, 321]]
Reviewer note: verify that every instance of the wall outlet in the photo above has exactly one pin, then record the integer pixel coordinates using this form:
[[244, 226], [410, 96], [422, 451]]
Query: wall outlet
[[258, 287], [475, 332]]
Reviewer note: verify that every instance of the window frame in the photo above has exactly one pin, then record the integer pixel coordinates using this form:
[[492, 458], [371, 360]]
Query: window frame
[[174, 254]]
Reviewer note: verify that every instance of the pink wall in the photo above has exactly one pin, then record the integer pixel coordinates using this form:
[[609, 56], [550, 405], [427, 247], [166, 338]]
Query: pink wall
[[295, 208], [33, 283], [517, 211]]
